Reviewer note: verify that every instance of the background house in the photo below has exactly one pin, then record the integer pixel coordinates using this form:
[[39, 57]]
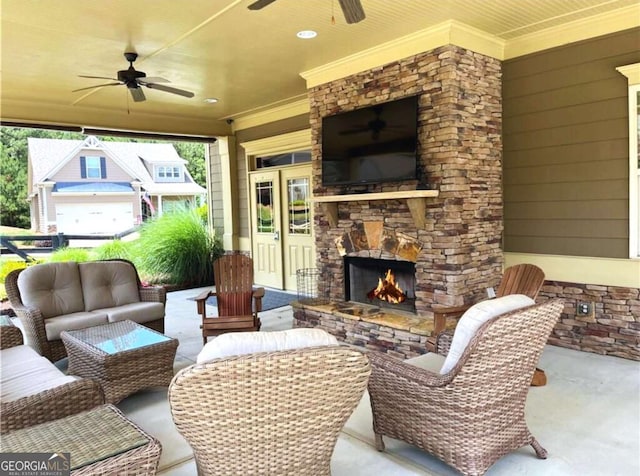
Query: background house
[[95, 187]]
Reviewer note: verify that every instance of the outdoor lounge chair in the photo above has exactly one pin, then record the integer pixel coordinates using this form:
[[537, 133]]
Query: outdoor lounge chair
[[237, 301], [473, 414], [268, 412]]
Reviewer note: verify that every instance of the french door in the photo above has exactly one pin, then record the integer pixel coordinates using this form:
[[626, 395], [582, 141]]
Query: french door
[[282, 231]]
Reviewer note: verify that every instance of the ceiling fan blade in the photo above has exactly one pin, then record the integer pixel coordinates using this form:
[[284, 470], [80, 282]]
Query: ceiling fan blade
[[97, 86], [137, 94], [97, 77], [169, 89], [153, 80], [352, 10], [260, 4]]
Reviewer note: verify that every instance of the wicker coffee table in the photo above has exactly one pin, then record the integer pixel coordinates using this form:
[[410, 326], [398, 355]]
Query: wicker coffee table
[[99, 442], [123, 356]]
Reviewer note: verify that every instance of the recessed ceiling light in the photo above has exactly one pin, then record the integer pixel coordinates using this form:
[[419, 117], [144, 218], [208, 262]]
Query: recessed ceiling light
[[306, 34], [211, 100]]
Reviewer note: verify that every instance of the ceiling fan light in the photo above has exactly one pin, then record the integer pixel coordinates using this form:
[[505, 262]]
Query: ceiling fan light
[[211, 100], [306, 34]]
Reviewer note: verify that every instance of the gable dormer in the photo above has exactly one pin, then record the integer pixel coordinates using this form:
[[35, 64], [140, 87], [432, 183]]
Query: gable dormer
[[168, 172]]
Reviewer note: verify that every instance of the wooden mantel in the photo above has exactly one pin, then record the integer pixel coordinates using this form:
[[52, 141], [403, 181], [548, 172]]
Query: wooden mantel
[[416, 200]]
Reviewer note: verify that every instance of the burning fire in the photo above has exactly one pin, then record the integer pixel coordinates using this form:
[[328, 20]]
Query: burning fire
[[388, 290]]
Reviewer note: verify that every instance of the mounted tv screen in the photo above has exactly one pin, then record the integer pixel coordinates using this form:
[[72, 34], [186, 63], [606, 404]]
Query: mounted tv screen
[[371, 145]]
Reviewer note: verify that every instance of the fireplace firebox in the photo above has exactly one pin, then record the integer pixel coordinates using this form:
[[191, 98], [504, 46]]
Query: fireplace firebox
[[380, 282]]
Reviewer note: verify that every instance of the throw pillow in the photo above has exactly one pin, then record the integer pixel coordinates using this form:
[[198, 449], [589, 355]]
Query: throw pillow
[[475, 316], [242, 343]]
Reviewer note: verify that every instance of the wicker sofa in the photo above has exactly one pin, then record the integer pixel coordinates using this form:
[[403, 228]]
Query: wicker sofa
[[54, 297], [33, 390]]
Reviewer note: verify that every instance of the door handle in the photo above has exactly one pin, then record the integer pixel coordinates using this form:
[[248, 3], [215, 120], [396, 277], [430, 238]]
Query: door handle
[[276, 236]]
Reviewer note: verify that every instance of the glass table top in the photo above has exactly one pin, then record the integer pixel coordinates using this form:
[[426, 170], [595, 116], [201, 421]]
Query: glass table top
[[119, 336]]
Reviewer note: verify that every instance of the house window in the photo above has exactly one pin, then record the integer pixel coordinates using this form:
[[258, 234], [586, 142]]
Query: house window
[[93, 167], [168, 173], [278, 160]]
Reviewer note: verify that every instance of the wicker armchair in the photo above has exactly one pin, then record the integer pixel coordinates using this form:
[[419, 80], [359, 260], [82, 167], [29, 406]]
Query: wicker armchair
[[237, 301], [268, 413], [524, 279], [473, 415]]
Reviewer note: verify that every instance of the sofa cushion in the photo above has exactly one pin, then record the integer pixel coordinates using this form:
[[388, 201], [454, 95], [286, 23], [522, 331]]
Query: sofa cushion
[[429, 361], [54, 288], [108, 284], [473, 319], [249, 342], [139, 312], [71, 322], [24, 373]]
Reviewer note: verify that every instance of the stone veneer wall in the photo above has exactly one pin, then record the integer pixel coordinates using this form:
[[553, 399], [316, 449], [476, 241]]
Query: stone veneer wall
[[460, 154], [613, 329]]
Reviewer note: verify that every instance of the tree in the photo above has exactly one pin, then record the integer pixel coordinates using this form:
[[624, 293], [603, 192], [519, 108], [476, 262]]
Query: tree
[[193, 153]]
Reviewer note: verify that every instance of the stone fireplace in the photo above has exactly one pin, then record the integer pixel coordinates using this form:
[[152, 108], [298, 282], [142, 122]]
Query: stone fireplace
[[453, 236]]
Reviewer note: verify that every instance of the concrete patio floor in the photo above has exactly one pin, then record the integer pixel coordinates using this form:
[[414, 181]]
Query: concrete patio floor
[[587, 416]]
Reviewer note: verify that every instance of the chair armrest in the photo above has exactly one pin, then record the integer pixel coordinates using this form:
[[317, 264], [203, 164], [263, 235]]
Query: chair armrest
[[34, 331], [153, 294], [59, 402], [391, 369], [10, 336], [258, 294], [204, 295]]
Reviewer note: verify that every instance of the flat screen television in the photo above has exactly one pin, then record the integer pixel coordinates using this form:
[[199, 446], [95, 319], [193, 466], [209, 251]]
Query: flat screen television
[[371, 145]]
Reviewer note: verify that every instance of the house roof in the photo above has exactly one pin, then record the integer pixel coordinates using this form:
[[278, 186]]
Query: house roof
[[47, 156]]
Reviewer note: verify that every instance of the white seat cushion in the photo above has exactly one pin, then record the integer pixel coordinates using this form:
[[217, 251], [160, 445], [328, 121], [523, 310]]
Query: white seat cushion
[[24, 373], [475, 316], [241, 343], [429, 361], [139, 312], [71, 322]]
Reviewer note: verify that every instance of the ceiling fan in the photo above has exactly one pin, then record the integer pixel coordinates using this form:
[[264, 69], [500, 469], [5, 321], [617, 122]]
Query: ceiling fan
[[352, 9], [134, 80]]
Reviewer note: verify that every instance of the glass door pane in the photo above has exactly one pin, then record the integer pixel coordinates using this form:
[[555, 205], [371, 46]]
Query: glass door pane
[[298, 206], [264, 207]]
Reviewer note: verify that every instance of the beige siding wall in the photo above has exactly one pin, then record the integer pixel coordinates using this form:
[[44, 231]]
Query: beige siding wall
[[291, 124], [215, 184], [71, 171], [566, 149]]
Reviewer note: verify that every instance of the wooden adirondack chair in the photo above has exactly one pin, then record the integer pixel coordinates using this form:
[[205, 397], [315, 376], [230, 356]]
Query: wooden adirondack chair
[[237, 300], [524, 279]]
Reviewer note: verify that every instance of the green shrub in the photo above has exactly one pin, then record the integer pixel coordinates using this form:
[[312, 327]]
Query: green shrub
[[70, 254], [116, 249], [203, 213], [176, 248], [6, 266]]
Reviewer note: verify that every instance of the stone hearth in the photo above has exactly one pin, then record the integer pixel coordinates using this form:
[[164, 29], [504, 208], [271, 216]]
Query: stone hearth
[[399, 334]]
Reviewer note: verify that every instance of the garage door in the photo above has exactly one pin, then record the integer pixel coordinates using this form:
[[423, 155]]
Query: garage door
[[95, 219]]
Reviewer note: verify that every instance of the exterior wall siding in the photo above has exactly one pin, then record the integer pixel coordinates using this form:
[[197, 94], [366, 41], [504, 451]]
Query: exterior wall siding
[[215, 184], [566, 149], [71, 171]]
